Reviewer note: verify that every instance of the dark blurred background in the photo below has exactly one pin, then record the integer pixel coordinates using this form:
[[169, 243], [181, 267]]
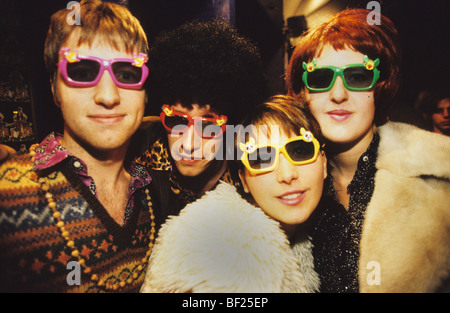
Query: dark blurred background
[[422, 24]]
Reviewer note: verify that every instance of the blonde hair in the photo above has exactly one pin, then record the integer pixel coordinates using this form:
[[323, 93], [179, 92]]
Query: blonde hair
[[110, 21]]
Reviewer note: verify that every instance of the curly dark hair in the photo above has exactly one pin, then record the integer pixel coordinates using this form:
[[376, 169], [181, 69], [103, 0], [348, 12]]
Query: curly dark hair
[[206, 63]]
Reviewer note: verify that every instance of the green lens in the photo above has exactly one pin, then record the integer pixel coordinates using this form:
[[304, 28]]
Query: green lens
[[358, 77], [320, 78]]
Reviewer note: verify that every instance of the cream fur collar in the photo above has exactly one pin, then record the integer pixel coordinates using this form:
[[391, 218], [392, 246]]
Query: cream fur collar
[[405, 241], [409, 151], [221, 243]]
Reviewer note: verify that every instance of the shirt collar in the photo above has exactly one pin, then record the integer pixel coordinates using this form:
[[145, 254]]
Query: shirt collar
[[157, 157], [50, 152]]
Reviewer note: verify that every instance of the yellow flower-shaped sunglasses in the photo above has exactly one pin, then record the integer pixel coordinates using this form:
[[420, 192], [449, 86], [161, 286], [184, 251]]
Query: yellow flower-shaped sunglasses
[[263, 158]]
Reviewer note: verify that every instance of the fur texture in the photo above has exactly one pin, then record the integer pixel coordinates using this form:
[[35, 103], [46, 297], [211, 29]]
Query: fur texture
[[221, 243], [407, 225]]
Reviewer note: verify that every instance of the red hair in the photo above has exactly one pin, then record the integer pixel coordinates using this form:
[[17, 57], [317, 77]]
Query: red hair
[[350, 29]]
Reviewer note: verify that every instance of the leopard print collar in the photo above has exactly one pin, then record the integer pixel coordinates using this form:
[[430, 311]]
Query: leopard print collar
[[157, 158]]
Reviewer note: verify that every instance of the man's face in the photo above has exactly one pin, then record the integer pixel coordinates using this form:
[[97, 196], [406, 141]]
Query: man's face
[[441, 117], [192, 153], [102, 117]]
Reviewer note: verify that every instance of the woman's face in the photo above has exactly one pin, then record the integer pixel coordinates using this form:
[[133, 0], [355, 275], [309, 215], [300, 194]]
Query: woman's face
[[345, 116], [289, 193]]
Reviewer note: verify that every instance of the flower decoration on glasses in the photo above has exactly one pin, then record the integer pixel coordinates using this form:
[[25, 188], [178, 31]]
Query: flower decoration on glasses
[[70, 56], [167, 110], [140, 59], [249, 146], [370, 64], [307, 135], [310, 66], [221, 119]]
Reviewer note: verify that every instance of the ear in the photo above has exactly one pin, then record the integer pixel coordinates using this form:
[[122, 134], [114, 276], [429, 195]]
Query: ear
[[305, 95], [243, 181], [324, 160]]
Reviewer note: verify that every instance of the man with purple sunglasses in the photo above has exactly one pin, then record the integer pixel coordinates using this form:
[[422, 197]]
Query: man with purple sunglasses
[[74, 215]]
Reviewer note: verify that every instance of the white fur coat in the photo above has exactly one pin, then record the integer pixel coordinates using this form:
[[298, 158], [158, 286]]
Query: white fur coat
[[221, 243], [406, 233]]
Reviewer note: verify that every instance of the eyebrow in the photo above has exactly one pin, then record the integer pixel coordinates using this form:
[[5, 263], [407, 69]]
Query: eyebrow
[[211, 115], [208, 115]]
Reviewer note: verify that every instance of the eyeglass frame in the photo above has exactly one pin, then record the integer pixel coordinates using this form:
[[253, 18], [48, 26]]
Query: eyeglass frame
[[69, 56], [220, 121], [339, 71], [306, 136]]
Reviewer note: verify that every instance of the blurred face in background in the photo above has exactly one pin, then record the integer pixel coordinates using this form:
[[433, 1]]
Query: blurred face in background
[[441, 117]]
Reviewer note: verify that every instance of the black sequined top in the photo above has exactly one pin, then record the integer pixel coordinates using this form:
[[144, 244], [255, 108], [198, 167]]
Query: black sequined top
[[336, 232]]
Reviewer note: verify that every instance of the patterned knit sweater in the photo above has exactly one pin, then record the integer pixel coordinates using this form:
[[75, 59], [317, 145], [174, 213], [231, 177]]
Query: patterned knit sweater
[[34, 257]]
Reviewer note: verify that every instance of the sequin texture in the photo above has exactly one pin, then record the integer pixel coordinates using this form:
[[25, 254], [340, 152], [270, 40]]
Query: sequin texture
[[336, 233]]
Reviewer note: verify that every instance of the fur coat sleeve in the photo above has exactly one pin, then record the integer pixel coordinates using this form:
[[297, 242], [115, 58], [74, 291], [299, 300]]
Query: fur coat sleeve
[[405, 241], [221, 243]]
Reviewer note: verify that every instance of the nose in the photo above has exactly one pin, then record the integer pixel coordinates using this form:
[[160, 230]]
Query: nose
[[339, 93], [445, 112], [285, 172], [192, 142], [106, 92]]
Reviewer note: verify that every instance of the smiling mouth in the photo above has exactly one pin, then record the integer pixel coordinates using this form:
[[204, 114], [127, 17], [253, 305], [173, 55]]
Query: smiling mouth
[[292, 198]]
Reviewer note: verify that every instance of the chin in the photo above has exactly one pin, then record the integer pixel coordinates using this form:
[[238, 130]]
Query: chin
[[189, 171], [300, 217], [110, 145], [95, 144]]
